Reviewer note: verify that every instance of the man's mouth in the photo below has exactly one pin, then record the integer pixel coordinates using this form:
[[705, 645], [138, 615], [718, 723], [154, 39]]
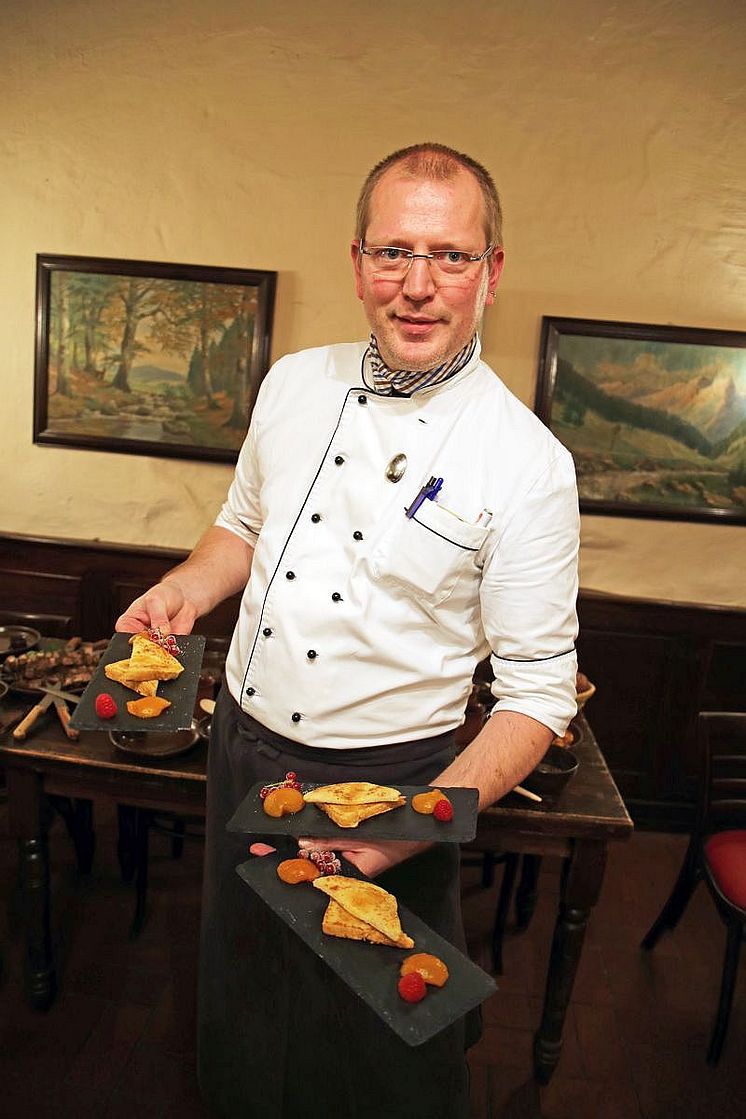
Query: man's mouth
[[415, 324]]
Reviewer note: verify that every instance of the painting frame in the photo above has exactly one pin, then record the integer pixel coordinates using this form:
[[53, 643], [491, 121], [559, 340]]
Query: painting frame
[[651, 459], [86, 307]]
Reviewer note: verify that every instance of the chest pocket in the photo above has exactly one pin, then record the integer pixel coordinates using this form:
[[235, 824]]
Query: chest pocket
[[429, 553]]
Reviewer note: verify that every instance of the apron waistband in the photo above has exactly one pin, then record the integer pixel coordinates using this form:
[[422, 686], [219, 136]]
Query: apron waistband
[[363, 756]]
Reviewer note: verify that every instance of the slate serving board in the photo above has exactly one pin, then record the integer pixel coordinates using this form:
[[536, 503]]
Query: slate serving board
[[372, 970], [182, 692], [401, 823]]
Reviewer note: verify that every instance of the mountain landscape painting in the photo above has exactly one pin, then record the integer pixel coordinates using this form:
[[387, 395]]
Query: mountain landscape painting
[[656, 425], [149, 358]]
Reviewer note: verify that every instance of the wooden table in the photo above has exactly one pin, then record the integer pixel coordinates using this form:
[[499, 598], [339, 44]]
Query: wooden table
[[91, 769], [578, 827]]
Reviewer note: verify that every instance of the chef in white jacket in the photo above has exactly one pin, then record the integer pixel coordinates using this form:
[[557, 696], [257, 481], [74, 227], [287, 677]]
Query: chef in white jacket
[[396, 516]]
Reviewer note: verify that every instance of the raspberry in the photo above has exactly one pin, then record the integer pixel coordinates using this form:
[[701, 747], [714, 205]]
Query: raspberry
[[412, 987], [443, 811], [106, 708]]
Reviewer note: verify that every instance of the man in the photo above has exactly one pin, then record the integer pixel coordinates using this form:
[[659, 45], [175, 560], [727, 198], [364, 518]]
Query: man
[[370, 595]]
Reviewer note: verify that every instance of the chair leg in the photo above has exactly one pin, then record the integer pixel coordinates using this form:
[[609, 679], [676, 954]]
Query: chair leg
[[126, 841], [727, 986], [678, 900], [142, 828], [488, 869], [177, 841], [527, 891], [78, 817], [503, 907]]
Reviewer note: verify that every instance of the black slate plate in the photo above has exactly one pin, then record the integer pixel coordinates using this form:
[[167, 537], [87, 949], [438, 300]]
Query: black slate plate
[[400, 823], [372, 970], [182, 692]]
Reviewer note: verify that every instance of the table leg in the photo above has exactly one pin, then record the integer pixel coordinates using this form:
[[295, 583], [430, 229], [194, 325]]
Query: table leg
[[527, 891], [28, 822], [581, 885]]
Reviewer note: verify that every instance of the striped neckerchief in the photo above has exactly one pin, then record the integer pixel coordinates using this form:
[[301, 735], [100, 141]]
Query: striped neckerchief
[[404, 382]]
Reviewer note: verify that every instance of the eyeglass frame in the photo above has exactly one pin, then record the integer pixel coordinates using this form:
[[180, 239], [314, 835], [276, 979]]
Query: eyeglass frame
[[412, 256]]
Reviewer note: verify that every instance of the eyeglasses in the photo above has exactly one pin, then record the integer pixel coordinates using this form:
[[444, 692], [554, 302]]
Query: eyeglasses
[[390, 260]]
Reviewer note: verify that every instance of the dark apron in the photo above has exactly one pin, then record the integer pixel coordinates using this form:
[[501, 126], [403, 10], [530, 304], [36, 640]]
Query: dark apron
[[279, 1035]]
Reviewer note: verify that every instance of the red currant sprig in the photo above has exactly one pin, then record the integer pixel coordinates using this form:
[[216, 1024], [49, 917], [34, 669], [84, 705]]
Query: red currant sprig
[[325, 861], [166, 641], [291, 782]]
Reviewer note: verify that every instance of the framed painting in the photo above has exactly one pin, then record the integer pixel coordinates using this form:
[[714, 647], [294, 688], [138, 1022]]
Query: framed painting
[[654, 416], [146, 358]]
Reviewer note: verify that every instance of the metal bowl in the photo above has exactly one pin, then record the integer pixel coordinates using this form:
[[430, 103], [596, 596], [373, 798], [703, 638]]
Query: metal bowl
[[147, 744], [553, 772], [17, 639]]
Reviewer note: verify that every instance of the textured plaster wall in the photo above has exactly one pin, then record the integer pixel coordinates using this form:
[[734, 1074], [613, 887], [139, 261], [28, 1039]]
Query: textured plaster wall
[[237, 133]]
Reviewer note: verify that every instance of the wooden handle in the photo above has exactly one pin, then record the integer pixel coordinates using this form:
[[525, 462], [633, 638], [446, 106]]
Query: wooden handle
[[64, 715], [26, 724], [526, 793]]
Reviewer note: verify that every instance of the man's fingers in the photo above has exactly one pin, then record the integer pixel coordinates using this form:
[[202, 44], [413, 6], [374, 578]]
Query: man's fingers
[[306, 844]]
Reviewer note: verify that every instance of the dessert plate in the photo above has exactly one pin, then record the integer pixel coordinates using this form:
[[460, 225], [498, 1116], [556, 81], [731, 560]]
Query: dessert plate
[[372, 970], [182, 692], [400, 823]]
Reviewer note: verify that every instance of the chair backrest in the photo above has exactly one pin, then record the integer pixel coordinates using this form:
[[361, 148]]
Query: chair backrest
[[721, 739]]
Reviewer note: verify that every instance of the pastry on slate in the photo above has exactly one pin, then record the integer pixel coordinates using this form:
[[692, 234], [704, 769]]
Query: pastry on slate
[[119, 671], [149, 661], [351, 792], [337, 921], [373, 910], [350, 815]]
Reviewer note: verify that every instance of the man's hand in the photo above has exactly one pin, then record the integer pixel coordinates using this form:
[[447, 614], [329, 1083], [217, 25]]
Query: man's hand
[[218, 567], [371, 858], [163, 607]]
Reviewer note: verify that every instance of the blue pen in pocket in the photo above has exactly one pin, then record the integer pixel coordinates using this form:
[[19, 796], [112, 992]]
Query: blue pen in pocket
[[430, 490]]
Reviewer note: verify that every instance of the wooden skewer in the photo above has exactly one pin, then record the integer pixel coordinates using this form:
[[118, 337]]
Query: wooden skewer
[[526, 793]]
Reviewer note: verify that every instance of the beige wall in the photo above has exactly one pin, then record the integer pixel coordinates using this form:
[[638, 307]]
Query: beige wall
[[237, 133]]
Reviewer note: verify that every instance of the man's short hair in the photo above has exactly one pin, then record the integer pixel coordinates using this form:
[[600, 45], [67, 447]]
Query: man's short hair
[[434, 161]]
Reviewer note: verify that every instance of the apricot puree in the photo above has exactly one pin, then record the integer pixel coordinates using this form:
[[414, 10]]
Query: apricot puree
[[283, 802], [424, 803], [432, 970], [149, 707], [297, 870]]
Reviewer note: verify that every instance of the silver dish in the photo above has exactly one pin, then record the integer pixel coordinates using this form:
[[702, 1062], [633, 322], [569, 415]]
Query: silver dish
[[17, 639], [155, 744]]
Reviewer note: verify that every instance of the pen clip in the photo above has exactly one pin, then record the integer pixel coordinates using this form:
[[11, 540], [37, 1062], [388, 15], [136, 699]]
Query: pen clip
[[430, 490]]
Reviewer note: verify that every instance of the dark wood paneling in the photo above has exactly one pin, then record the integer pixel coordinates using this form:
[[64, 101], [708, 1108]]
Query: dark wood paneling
[[89, 583], [655, 664]]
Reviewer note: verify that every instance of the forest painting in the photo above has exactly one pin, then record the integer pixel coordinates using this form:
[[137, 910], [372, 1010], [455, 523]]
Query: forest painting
[[654, 416], [149, 358]]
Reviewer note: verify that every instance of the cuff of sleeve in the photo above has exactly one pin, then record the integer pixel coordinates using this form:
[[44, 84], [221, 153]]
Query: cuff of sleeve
[[228, 520], [543, 689]]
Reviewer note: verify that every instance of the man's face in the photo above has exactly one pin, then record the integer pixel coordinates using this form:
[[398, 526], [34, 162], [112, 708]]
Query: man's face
[[425, 318]]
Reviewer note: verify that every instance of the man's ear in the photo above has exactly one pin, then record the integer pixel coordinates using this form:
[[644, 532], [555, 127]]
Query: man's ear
[[357, 263], [496, 265]]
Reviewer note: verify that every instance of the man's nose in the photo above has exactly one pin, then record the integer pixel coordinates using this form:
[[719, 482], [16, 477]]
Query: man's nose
[[418, 281]]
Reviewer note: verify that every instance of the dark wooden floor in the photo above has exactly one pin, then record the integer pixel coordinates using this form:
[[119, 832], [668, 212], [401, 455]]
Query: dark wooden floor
[[119, 1039]]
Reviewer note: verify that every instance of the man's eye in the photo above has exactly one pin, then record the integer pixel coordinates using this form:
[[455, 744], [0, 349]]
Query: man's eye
[[390, 254], [453, 256]]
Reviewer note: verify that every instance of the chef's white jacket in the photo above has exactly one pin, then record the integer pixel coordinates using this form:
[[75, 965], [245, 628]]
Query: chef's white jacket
[[361, 626]]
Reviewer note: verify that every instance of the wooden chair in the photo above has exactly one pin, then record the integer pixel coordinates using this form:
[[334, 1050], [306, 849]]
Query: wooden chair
[[716, 851]]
